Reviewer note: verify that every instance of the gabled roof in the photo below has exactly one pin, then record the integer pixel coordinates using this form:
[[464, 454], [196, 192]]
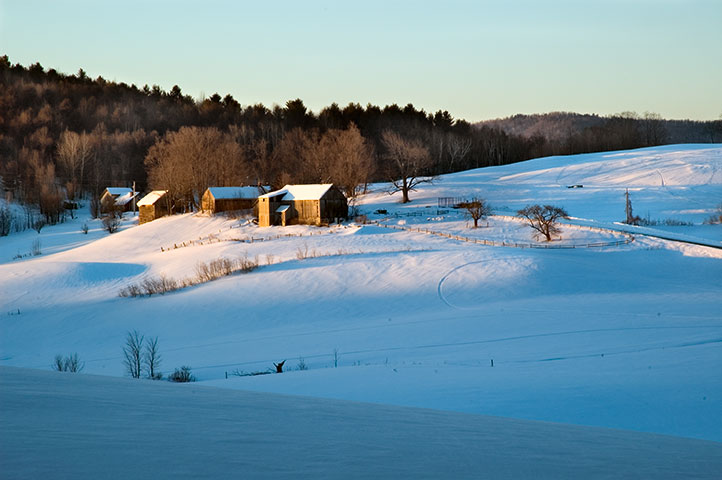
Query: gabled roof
[[152, 197], [301, 192], [115, 191], [236, 192]]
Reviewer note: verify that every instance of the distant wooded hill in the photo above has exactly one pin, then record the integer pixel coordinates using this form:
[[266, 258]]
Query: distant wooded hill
[[69, 136], [567, 132]]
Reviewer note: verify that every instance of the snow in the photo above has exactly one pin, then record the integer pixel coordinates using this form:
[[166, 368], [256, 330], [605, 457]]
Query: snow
[[125, 198], [235, 192], [119, 191], [152, 197], [84, 426], [621, 334], [301, 192]]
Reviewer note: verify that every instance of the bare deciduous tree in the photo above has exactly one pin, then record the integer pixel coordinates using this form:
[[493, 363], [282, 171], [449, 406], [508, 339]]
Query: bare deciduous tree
[[348, 158], [74, 151], [476, 208], [132, 353], [409, 163], [458, 148], [543, 219], [190, 160], [151, 359], [297, 158]]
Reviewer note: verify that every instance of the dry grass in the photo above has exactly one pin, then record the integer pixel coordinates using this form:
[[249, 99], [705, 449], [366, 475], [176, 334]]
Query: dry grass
[[205, 272]]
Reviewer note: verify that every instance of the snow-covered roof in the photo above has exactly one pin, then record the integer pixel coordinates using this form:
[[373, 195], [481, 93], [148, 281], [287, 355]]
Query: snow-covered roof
[[236, 192], [152, 197], [282, 208], [301, 192], [125, 198], [119, 190]]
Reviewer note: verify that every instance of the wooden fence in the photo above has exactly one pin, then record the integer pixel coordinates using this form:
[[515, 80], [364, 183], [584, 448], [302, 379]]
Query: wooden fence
[[494, 243]]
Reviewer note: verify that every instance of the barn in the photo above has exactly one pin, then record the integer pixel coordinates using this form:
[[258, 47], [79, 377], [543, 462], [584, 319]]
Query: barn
[[225, 199], [152, 206], [304, 204], [117, 198]]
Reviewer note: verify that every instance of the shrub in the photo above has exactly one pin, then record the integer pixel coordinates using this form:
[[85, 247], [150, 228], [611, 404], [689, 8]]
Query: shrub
[[205, 272], [84, 228], [182, 375], [111, 223], [716, 217], [302, 253], [38, 224], [36, 247], [71, 363]]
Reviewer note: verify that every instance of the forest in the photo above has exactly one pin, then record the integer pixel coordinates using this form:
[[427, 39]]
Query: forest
[[65, 137]]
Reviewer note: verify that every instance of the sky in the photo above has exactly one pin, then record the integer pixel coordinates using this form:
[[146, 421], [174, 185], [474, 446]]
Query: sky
[[477, 59]]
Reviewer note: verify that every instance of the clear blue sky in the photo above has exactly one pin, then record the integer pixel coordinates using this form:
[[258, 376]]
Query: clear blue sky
[[477, 59]]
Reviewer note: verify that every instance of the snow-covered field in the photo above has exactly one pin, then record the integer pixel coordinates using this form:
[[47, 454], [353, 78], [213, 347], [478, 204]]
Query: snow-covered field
[[624, 336], [161, 430]]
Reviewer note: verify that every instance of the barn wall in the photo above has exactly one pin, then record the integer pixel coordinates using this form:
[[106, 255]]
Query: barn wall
[[307, 212], [106, 202], [333, 205], [228, 204], [264, 212], [207, 203], [146, 213]]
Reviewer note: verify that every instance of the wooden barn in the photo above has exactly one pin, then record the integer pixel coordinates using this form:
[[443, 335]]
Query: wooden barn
[[152, 206], [225, 199], [304, 204], [117, 198]]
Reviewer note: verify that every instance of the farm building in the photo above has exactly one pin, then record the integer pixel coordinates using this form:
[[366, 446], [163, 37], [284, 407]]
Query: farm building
[[152, 206], [305, 204], [117, 198], [225, 199]]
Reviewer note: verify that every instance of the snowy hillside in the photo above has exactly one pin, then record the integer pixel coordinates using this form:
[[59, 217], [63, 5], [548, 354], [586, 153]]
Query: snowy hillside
[[624, 334], [101, 427]]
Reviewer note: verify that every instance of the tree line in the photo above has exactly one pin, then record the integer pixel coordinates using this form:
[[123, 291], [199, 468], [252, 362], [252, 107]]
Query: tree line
[[65, 137]]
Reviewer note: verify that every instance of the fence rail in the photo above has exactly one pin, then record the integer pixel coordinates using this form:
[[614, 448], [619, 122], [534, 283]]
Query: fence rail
[[494, 243]]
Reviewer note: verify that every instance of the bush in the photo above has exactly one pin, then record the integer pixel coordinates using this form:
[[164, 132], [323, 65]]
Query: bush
[[111, 223], [716, 217], [182, 375], [84, 228], [38, 224], [71, 363], [205, 272], [36, 247]]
